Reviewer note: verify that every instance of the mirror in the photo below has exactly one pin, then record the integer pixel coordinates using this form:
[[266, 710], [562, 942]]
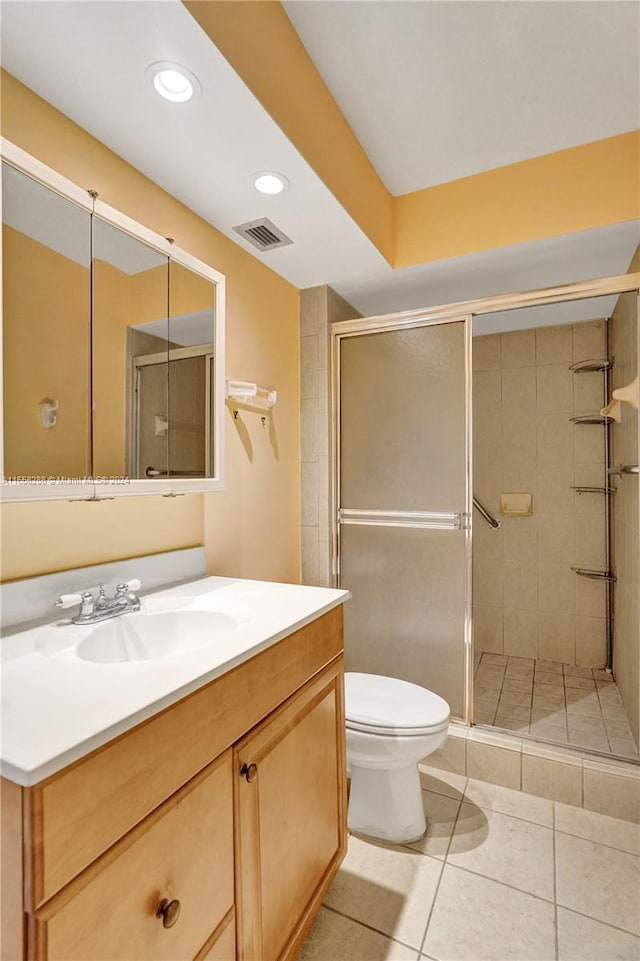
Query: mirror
[[112, 372], [130, 328], [191, 373], [46, 250]]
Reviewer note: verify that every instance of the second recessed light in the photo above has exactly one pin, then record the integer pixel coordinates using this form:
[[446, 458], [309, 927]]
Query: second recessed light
[[173, 81], [270, 182]]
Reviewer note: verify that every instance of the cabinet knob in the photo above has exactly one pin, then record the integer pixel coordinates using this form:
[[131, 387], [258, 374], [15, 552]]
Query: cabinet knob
[[249, 772], [169, 911]]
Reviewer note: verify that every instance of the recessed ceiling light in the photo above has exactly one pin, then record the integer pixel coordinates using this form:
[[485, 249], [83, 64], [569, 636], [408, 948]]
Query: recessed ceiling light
[[270, 182], [173, 81]]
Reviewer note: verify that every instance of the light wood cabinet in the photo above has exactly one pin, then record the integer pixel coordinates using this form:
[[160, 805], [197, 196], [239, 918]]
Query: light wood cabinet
[[181, 856], [166, 812], [222, 946], [290, 818]]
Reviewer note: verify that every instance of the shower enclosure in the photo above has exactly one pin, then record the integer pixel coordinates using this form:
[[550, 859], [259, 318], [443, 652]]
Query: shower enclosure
[[402, 490], [170, 413], [545, 584], [404, 502]]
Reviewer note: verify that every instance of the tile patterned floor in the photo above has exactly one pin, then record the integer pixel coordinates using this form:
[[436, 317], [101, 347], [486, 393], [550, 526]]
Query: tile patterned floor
[[560, 702], [500, 876]]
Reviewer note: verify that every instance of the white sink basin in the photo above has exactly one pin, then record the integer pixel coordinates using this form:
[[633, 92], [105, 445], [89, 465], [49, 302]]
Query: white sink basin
[[165, 627], [94, 682], [143, 637]]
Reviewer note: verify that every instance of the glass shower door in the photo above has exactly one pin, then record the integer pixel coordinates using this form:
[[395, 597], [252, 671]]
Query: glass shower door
[[403, 503]]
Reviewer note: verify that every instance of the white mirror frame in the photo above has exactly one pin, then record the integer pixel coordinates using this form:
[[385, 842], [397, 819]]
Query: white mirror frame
[[38, 490]]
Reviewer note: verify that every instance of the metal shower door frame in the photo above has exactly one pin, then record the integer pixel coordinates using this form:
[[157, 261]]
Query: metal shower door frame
[[426, 520], [463, 311], [133, 400]]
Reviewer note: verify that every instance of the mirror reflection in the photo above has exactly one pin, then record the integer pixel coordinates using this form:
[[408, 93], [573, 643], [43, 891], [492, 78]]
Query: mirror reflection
[[130, 342], [46, 331], [191, 373], [108, 347], [153, 332]]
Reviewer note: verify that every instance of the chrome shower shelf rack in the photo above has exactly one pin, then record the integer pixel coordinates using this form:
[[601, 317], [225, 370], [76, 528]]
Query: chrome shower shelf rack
[[603, 366], [588, 366], [594, 490], [595, 575], [591, 419]]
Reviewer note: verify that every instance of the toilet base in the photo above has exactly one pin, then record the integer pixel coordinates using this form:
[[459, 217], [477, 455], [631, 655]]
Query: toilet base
[[386, 804]]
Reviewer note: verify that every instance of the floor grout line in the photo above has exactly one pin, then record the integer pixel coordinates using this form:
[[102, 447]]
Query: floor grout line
[[611, 847], [453, 829], [441, 793], [431, 909], [590, 917], [516, 817], [503, 884], [443, 863], [370, 927]]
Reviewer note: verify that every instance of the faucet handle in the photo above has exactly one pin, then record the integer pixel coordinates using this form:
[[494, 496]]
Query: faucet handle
[[68, 600], [129, 586]]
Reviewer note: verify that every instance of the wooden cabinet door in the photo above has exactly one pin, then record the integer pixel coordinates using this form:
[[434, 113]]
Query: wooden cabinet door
[[182, 852], [290, 810]]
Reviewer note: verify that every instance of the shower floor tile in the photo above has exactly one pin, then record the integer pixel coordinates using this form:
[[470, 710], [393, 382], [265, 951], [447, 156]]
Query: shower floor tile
[[558, 702]]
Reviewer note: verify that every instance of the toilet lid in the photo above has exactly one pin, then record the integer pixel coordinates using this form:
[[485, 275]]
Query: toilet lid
[[387, 705]]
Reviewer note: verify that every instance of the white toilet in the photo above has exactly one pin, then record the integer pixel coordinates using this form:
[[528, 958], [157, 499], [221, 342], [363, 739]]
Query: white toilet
[[391, 725]]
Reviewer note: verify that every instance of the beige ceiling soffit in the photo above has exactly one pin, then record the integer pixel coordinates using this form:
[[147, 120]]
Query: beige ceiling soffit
[[581, 188], [258, 40]]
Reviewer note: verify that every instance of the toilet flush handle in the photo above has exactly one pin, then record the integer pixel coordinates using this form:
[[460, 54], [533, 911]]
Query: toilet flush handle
[[249, 772]]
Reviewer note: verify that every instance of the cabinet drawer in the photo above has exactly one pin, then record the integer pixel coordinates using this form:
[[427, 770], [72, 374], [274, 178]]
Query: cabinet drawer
[[222, 946], [184, 851]]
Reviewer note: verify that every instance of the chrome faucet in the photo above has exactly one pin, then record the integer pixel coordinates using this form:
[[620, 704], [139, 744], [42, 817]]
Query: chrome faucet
[[101, 608]]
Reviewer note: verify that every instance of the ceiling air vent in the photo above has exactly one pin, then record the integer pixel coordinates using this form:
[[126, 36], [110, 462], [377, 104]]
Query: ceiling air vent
[[263, 234]]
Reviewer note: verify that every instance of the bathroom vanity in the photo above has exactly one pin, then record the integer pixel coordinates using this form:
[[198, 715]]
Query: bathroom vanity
[[211, 828]]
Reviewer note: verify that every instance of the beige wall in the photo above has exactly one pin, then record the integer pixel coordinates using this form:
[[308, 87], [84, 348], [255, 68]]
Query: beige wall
[[319, 308], [110, 316], [623, 332], [527, 600], [251, 529], [45, 354]]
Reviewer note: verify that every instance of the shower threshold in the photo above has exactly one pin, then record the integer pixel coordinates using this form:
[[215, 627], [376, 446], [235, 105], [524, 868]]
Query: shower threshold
[[547, 701]]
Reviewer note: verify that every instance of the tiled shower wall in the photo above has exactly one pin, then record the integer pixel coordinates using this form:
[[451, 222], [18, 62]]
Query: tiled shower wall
[[527, 600], [623, 332], [319, 308]]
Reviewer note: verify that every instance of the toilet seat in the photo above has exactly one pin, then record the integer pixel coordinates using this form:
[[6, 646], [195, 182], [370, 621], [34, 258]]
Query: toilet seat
[[390, 707]]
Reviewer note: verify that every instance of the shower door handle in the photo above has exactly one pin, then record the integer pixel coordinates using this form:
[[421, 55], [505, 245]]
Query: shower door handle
[[428, 520]]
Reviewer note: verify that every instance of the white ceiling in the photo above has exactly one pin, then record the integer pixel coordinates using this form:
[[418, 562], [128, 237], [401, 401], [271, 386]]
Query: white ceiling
[[45, 216], [440, 90], [60, 225], [89, 59], [192, 330]]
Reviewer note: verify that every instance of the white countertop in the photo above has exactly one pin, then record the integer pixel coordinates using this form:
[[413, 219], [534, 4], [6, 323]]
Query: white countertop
[[57, 707]]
